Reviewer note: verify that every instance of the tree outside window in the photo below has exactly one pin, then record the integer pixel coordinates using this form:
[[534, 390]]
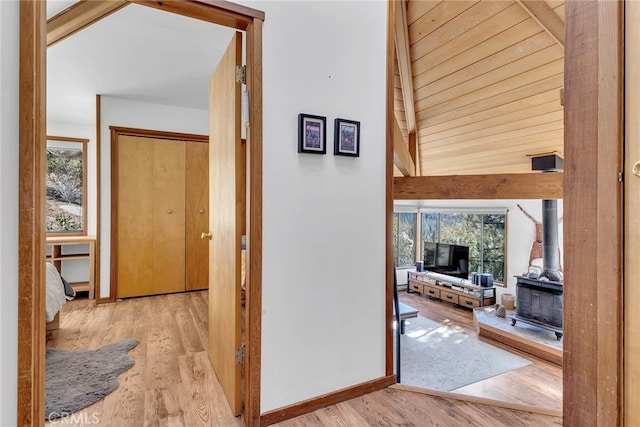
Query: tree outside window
[[493, 237], [429, 226], [66, 185], [484, 234], [404, 238]]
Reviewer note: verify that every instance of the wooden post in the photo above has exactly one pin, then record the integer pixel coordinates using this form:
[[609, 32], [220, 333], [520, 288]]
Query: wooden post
[[593, 212]]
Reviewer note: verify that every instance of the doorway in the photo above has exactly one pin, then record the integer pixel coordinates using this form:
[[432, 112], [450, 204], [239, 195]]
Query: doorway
[[592, 212], [160, 193], [31, 226]]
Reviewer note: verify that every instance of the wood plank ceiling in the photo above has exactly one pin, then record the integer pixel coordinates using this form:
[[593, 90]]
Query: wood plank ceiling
[[486, 78]]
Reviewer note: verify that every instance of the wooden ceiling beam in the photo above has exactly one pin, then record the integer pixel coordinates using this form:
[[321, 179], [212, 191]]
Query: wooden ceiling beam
[[87, 12], [404, 64], [80, 15], [546, 17], [499, 186], [413, 151], [217, 11], [401, 156]]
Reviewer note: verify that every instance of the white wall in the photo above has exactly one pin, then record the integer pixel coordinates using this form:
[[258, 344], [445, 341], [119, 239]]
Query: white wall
[[142, 115], [520, 229], [324, 216], [9, 43]]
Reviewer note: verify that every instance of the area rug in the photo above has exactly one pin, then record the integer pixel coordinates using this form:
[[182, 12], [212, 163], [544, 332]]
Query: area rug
[[438, 357], [77, 379]]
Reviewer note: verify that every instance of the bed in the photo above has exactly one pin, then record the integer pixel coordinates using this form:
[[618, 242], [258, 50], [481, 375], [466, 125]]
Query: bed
[[55, 298]]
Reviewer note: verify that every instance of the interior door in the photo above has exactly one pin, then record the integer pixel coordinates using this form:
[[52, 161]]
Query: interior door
[[225, 208], [197, 215], [168, 216], [150, 221]]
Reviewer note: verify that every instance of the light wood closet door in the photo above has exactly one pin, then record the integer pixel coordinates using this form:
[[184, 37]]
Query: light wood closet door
[[134, 217], [197, 211], [150, 216]]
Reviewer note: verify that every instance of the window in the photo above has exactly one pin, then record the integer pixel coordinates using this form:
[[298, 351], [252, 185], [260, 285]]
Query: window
[[429, 227], [66, 185], [483, 233], [404, 238], [493, 247]]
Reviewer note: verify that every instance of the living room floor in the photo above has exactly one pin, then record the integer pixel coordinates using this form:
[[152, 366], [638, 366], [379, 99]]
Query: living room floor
[[538, 384], [177, 386]]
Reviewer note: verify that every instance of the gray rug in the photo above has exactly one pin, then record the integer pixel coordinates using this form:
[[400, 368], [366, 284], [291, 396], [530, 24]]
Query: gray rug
[[437, 357], [77, 379]]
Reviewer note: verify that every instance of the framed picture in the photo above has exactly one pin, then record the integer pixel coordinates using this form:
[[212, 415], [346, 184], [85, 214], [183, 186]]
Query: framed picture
[[311, 134], [347, 138]]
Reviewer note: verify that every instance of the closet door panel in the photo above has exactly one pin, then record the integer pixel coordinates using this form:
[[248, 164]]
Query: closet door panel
[[168, 222], [134, 250], [197, 213]]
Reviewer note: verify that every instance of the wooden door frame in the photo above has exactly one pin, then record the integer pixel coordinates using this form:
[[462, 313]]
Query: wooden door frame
[[593, 119], [116, 132], [632, 227], [32, 167]]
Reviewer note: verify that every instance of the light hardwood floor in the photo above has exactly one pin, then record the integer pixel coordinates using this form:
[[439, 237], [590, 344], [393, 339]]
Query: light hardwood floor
[[391, 407], [173, 384], [538, 384]]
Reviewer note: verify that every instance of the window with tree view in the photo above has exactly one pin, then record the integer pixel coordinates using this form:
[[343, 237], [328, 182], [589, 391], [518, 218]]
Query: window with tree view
[[483, 233], [66, 185], [404, 238]]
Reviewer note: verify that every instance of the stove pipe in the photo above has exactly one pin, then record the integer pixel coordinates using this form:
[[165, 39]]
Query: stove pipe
[[550, 248]]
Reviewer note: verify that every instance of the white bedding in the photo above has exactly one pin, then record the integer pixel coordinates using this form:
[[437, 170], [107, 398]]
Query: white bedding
[[55, 292]]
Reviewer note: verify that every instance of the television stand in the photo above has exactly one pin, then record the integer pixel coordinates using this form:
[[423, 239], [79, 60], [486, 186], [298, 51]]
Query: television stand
[[451, 289], [448, 272]]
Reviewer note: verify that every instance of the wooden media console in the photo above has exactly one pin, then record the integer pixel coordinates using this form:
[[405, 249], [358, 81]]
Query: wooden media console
[[451, 289]]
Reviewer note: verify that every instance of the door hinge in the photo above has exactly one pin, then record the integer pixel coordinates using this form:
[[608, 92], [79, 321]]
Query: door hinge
[[240, 354], [241, 74]]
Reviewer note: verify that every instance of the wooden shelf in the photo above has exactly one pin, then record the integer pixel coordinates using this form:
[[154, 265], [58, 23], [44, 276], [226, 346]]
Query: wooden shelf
[[70, 240], [68, 257], [56, 257], [81, 286], [458, 292]]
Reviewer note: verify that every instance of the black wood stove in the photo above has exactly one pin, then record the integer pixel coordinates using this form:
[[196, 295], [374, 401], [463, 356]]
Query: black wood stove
[[539, 303], [539, 299]]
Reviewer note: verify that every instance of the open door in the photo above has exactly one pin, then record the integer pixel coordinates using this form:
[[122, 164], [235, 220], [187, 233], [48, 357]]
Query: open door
[[225, 223]]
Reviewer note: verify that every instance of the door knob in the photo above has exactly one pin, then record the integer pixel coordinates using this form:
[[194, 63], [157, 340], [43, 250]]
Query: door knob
[[636, 168], [206, 236]]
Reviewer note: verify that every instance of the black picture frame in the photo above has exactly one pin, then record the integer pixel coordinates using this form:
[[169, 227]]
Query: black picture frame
[[346, 141], [312, 134]]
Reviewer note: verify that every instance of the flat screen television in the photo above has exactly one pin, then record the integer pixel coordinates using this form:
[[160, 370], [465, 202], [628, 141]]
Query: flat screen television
[[443, 255], [429, 258], [445, 258]]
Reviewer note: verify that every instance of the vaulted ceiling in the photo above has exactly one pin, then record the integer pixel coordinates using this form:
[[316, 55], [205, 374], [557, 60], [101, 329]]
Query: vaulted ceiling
[[479, 82]]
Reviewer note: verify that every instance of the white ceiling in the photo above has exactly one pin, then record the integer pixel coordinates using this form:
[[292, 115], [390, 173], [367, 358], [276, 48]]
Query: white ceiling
[[137, 53]]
